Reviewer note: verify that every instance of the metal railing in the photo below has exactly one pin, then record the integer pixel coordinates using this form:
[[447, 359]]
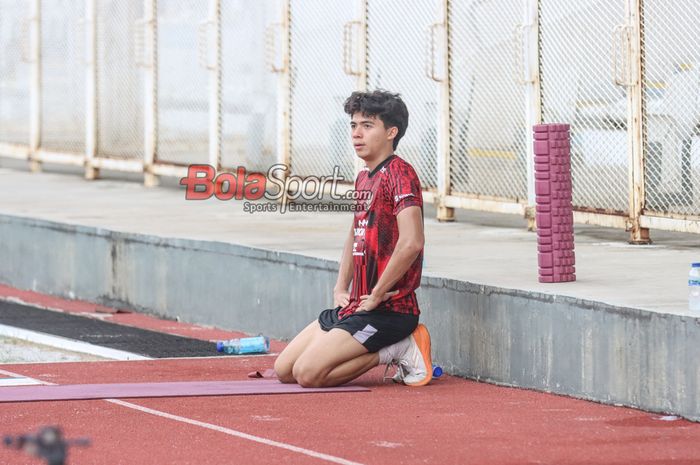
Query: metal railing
[[153, 85]]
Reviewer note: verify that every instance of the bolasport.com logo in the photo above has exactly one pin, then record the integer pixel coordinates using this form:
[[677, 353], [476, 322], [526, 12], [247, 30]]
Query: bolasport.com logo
[[274, 191]]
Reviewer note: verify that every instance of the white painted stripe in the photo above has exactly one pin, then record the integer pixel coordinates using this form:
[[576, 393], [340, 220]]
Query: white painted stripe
[[17, 375], [220, 429], [68, 344], [238, 434], [238, 358], [22, 381], [58, 362]]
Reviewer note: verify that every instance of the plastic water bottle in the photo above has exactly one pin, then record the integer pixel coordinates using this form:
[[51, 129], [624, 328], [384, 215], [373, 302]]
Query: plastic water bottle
[[694, 289], [437, 371], [244, 345]]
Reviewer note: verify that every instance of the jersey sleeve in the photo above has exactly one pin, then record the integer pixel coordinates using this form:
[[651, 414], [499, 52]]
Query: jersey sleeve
[[404, 188]]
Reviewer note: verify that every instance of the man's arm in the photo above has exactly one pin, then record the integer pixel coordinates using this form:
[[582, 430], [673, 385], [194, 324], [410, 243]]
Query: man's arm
[[341, 296], [408, 246]]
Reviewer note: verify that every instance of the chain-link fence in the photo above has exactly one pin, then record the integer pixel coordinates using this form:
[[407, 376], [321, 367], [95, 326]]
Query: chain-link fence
[[671, 41], [249, 94], [264, 80], [14, 71], [63, 62], [397, 49], [577, 88], [183, 82], [487, 115], [320, 130], [120, 86]]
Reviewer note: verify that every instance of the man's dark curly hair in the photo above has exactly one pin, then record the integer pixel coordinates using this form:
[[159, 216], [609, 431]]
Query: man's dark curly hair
[[384, 105]]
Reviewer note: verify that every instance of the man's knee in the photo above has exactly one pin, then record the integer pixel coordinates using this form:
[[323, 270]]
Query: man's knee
[[307, 374], [283, 368]]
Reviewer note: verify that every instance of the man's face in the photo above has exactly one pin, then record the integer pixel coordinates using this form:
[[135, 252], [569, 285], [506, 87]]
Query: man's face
[[369, 136]]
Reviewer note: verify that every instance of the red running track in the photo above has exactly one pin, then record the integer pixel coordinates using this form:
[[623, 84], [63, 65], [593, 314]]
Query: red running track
[[451, 421]]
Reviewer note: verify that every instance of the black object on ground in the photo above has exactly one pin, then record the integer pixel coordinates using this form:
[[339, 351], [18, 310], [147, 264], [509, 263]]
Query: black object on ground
[[102, 333]]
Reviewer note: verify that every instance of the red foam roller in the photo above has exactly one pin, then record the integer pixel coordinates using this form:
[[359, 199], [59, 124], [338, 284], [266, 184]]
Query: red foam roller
[[541, 147], [554, 215], [544, 220], [541, 187], [544, 260]]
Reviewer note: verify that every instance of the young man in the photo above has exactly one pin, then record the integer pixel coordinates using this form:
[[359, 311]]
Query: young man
[[376, 322]]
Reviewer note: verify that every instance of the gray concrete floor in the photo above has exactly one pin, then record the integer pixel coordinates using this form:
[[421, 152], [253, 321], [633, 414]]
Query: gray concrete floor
[[481, 248]]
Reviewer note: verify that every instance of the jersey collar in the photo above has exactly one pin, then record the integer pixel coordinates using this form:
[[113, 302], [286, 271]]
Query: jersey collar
[[381, 165]]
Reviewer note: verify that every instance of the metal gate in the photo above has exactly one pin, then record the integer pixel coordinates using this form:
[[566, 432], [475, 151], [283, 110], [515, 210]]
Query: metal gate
[[576, 55], [320, 130], [487, 113], [671, 86], [63, 76], [249, 94], [154, 85], [183, 82], [15, 23], [398, 47], [119, 80]]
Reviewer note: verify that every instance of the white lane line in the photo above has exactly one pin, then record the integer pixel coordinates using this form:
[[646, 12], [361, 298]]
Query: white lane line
[[238, 434], [68, 344], [21, 381], [220, 429], [202, 359], [17, 375]]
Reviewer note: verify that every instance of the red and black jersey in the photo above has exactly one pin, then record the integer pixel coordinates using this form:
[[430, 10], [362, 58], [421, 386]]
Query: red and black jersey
[[394, 186]]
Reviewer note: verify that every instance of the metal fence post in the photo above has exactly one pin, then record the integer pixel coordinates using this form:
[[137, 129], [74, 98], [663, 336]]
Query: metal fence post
[[91, 172], [150, 104], [214, 49], [635, 127], [533, 98], [362, 46], [284, 84], [361, 49], [35, 86], [444, 213]]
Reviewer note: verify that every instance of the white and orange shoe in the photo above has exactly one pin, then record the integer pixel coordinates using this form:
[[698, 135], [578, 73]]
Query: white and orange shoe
[[415, 362]]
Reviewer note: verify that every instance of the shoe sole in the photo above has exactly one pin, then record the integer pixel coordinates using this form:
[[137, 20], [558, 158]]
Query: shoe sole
[[422, 338]]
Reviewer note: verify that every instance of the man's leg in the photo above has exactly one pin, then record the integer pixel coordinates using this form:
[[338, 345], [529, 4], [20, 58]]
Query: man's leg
[[331, 359], [413, 356], [285, 361]]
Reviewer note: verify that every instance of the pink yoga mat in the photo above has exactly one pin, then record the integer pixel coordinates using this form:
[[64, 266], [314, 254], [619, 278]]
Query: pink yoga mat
[[174, 389]]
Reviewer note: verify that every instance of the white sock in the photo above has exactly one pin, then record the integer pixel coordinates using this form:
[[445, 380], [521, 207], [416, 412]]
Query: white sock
[[394, 351]]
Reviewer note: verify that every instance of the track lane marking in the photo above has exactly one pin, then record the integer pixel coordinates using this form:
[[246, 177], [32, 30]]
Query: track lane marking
[[210, 426]]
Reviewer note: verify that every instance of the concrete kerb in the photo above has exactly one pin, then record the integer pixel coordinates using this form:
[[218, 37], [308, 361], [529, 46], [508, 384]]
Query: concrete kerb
[[548, 342]]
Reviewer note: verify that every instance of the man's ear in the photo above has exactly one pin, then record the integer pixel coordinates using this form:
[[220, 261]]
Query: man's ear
[[393, 131]]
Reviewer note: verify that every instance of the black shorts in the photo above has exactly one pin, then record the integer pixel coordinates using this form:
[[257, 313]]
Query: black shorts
[[373, 330]]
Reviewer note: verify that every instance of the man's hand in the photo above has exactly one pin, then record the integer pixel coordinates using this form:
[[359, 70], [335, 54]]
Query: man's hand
[[370, 302], [341, 298]]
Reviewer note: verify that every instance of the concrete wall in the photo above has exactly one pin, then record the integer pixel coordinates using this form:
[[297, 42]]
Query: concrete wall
[[545, 342]]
